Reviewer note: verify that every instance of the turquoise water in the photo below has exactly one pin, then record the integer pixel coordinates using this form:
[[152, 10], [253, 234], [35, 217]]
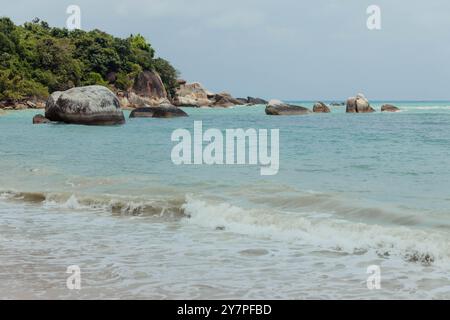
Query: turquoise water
[[352, 190]]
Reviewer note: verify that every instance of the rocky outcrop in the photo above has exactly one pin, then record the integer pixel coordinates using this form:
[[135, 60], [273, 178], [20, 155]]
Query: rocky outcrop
[[91, 105], [224, 100], [22, 104], [158, 112], [320, 107], [192, 95], [39, 119], [253, 101], [149, 84], [359, 104], [195, 95], [279, 108], [389, 108]]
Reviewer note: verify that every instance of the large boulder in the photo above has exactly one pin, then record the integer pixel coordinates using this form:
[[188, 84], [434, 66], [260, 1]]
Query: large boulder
[[320, 107], [149, 84], [91, 105], [39, 119], [359, 104], [389, 108], [279, 108], [158, 112]]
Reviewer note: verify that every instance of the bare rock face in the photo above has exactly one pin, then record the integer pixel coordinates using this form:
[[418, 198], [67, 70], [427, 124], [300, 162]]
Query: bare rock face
[[320, 107], [132, 100], [166, 111], [279, 108], [39, 119], [91, 105], [359, 104], [192, 95], [389, 108], [149, 84]]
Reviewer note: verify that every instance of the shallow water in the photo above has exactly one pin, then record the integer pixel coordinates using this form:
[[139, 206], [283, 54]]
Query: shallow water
[[353, 190]]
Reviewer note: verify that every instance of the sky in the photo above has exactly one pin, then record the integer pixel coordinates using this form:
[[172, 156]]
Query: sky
[[281, 49]]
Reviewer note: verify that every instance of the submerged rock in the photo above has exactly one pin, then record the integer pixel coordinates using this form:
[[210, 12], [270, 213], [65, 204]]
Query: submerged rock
[[279, 108], [39, 119], [359, 104], [91, 105], [320, 107], [389, 108], [158, 112]]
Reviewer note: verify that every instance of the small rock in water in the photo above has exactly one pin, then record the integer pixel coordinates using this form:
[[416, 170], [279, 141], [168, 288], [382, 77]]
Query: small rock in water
[[389, 108], [39, 119], [279, 108], [158, 112], [320, 107]]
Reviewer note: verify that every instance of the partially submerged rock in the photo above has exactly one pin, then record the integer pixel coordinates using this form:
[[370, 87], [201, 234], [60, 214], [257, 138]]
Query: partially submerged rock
[[251, 100], [389, 108], [158, 112], [359, 104], [224, 100], [320, 107], [39, 119], [91, 105], [279, 108]]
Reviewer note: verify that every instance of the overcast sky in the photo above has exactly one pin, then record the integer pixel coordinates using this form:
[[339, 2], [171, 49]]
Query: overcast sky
[[285, 49]]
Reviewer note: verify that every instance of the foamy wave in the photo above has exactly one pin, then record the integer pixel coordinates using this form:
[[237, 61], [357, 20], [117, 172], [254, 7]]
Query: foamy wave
[[433, 108], [412, 244], [171, 208]]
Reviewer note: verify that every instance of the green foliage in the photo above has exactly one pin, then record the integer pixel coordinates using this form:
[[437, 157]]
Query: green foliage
[[36, 59]]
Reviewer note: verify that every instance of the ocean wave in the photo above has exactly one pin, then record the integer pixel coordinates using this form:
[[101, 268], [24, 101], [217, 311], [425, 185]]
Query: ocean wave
[[412, 244], [306, 225], [116, 205], [432, 108]]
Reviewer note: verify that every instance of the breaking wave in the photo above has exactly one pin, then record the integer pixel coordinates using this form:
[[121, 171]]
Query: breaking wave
[[323, 230], [414, 245]]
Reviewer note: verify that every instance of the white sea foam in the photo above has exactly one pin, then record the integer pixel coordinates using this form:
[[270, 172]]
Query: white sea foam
[[416, 245]]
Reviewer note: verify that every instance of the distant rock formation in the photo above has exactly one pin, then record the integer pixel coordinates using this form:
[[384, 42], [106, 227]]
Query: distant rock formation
[[359, 104], [192, 95], [149, 84], [91, 105], [195, 95], [148, 90], [389, 108], [224, 100], [320, 107], [279, 108]]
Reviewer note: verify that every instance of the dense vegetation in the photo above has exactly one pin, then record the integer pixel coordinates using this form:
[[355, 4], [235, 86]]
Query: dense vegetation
[[36, 59]]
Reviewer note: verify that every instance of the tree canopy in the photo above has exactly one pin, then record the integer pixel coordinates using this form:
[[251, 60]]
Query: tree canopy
[[36, 59]]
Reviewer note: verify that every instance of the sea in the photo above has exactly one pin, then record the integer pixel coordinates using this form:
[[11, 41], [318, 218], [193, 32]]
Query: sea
[[359, 209]]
